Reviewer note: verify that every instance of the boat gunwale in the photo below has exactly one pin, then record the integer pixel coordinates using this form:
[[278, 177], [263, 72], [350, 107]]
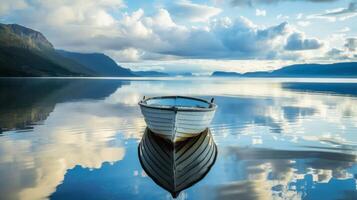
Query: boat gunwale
[[212, 106]]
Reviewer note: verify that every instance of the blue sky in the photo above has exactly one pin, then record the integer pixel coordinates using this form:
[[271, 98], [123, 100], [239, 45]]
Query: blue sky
[[196, 36]]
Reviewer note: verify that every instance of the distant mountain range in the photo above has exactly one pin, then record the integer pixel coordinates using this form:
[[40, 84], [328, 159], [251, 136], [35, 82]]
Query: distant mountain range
[[100, 63], [344, 70], [225, 74], [150, 74]]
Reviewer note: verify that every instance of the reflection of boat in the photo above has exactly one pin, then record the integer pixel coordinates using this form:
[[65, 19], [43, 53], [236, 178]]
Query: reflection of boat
[[177, 166], [176, 117]]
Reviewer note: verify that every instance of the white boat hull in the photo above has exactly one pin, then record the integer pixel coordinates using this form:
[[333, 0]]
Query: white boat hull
[[176, 125]]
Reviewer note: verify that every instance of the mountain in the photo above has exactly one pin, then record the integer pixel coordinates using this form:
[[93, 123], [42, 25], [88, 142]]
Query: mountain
[[15, 35], [225, 74], [347, 69], [101, 64], [150, 74], [26, 52]]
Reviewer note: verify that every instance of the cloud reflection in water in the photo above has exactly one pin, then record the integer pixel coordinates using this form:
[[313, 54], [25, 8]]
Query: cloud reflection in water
[[276, 141]]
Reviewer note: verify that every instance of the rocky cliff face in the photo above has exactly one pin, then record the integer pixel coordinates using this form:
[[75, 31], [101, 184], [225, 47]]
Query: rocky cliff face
[[18, 36], [26, 52]]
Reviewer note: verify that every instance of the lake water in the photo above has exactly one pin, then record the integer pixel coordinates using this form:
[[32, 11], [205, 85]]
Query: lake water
[[276, 138]]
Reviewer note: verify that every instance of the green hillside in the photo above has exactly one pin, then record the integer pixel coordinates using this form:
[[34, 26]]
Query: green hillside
[[100, 63], [26, 52]]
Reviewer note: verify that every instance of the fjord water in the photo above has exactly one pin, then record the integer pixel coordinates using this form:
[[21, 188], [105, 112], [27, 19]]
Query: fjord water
[[276, 138]]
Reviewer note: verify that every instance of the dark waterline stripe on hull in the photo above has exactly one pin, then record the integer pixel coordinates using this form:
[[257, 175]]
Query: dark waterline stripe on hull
[[159, 125]]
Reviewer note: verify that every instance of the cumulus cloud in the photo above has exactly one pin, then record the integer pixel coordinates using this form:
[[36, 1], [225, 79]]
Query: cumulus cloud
[[81, 25], [244, 39], [298, 42], [259, 12], [223, 38], [349, 51], [257, 2], [126, 55], [69, 23], [351, 44], [193, 12], [75, 12], [8, 5], [336, 54]]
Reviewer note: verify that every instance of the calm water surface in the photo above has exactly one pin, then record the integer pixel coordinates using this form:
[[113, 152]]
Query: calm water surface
[[276, 138]]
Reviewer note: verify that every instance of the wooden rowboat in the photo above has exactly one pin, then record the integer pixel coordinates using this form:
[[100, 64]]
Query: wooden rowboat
[[177, 117], [177, 166]]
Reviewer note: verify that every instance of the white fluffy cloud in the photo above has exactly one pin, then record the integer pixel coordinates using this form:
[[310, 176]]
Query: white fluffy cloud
[[126, 55], [104, 26], [137, 35], [259, 12], [193, 12], [73, 12], [351, 44], [348, 51], [243, 39], [298, 42], [8, 5], [70, 23], [223, 38]]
